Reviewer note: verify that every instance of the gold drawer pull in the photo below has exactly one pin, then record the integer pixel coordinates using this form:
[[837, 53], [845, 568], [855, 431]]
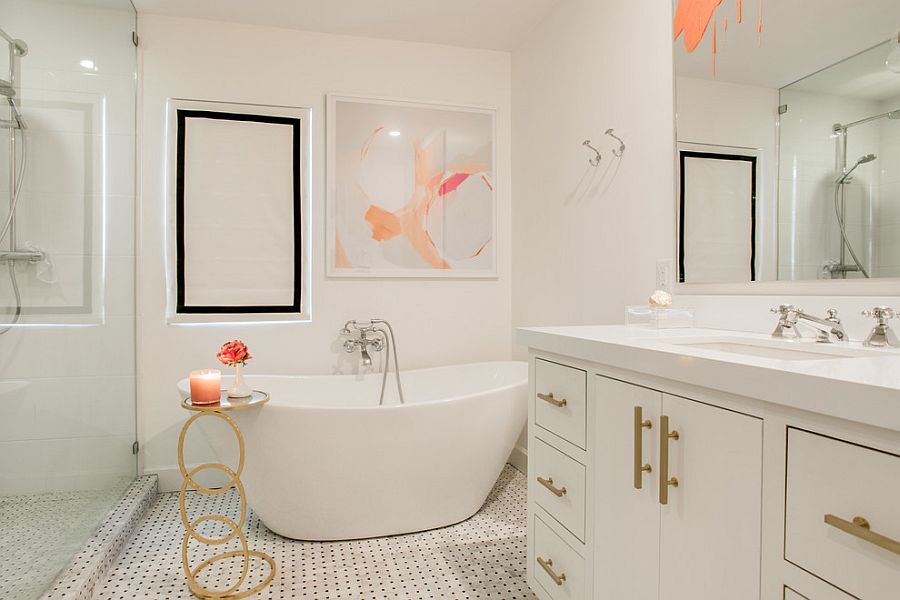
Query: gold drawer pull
[[639, 467], [548, 483], [551, 400], [860, 528], [664, 481], [548, 566]]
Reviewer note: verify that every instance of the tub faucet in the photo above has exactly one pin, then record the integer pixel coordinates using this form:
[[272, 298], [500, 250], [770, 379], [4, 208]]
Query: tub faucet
[[367, 336], [378, 335]]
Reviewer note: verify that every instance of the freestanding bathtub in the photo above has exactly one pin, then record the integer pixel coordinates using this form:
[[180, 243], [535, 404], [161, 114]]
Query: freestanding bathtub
[[325, 462]]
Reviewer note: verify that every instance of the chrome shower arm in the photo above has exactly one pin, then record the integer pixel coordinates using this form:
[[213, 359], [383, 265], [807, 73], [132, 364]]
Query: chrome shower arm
[[16, 45]]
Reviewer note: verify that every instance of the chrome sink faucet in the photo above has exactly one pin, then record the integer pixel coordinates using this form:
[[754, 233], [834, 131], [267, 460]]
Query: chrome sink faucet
[[791, 316], [881, 335]]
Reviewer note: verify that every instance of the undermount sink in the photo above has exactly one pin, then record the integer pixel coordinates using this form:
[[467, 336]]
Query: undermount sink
[[778, 349]]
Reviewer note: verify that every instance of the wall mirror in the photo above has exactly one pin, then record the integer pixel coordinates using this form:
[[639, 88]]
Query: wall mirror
[[788, 140]]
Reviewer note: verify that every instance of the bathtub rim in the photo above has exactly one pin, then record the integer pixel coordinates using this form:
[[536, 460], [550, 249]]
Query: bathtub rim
[[183, 387]]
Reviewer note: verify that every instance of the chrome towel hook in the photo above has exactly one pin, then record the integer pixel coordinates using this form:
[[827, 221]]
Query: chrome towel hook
[[621, 150], [595, 162]]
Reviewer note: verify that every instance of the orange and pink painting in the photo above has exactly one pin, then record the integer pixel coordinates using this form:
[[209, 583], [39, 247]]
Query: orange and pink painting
[[411, 189]]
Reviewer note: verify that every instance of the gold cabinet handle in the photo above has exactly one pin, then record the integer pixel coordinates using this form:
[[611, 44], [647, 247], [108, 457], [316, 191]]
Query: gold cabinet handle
[[664, 480], [548, 398], [548, 483], [860, 528], [639, 467], [548, 566]]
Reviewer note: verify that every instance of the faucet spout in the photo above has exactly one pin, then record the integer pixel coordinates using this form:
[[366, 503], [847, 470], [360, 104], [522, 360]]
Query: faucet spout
[[366, 358]]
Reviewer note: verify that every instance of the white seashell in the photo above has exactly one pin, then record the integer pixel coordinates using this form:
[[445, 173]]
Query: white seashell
[[661, 298]]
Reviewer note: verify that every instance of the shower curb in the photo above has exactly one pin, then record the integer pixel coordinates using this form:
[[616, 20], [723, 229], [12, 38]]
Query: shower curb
[[87, 569]]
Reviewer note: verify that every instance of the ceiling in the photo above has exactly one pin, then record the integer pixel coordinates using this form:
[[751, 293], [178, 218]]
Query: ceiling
[[799, 38], [487, 24], [862, 76]]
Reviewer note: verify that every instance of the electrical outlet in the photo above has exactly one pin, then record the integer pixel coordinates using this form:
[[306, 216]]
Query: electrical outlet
[[664, 275]]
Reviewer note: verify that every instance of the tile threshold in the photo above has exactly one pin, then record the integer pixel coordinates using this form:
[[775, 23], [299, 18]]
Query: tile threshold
[[88, 568]]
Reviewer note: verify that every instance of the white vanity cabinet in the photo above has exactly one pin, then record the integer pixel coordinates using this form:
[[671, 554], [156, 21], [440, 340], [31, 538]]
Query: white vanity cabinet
[[646, 484], [674, 479], [598, 446]]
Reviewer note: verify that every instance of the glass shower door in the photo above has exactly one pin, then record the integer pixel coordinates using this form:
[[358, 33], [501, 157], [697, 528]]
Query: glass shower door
[[67, 318]]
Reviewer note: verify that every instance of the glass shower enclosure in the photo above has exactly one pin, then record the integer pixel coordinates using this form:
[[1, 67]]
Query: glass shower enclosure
[[839, 172], [67, 310]]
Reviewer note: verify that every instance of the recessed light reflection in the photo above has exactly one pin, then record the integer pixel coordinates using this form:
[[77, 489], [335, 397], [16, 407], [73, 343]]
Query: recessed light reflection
[[394, 134]]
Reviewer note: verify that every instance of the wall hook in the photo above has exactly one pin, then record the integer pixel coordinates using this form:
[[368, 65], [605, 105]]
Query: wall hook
[[595, 162], [621, 150]]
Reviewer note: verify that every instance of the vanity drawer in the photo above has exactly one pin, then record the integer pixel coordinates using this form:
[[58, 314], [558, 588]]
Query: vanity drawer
[[560, 405], [831, 483], [559, 486], [557, 567]]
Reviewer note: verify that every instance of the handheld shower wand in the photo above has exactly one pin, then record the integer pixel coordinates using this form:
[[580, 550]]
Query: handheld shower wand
[[862, 160], [840, 207]]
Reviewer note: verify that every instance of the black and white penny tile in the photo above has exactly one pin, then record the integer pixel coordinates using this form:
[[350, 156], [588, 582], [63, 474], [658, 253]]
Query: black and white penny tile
[[483, 557], [41, 533]]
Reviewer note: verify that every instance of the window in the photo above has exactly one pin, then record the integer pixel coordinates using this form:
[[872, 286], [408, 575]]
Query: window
[[240, 186]]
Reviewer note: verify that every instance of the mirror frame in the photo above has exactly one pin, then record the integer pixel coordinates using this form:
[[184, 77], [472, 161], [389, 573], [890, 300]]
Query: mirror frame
[[882, 286]]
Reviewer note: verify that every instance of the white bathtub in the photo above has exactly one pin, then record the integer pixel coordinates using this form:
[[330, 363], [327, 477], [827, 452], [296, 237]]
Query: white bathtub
[[325, 462]]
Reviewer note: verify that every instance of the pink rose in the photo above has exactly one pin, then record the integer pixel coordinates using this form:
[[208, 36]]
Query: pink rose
[[234, 352]]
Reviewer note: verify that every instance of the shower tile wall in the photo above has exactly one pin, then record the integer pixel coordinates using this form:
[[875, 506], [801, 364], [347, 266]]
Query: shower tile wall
[[808, 232], [67, 381]]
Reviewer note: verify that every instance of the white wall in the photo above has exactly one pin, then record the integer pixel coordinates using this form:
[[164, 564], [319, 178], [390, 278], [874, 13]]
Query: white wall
[[67, 392], [585, 249], [739, 116], [436, 321]]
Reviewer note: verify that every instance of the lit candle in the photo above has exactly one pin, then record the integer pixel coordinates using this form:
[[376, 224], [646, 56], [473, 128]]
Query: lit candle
[[205, 386]]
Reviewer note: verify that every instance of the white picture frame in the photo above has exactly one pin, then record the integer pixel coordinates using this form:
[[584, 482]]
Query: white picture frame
[[416, 124]]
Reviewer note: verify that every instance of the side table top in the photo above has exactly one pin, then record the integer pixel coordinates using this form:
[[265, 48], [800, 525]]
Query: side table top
[[257, 398]]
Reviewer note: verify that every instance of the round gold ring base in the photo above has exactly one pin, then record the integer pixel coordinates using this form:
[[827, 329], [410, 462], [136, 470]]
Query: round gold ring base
[[201, 592], [234, 592]]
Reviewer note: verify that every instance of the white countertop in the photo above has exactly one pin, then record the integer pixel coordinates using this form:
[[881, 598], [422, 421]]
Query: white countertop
[[861, 389]]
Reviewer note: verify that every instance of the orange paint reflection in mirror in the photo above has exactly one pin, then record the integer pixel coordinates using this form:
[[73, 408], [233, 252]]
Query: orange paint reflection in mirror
[[759, 25], [692, 18], [714, 47]]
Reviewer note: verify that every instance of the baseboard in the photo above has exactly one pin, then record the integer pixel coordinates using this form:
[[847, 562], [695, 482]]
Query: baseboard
[[170, 478], [519, 459]]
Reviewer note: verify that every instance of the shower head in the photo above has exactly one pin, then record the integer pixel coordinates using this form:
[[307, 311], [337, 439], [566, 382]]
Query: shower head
[[862, 160]]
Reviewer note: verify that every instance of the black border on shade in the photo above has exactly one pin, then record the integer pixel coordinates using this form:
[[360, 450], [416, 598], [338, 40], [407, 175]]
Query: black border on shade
[[296, 125], [753, 160]]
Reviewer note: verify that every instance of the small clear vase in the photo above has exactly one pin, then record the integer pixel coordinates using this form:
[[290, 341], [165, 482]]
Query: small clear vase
[[239, 389]]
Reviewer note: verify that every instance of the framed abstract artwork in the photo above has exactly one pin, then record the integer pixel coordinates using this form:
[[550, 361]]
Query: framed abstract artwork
[[411, 189]]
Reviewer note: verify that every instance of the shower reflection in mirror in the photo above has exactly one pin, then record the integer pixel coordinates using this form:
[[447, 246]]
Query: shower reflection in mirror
[[824, 126]]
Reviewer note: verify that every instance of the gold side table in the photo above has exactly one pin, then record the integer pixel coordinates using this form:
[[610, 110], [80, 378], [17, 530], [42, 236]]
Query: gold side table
[[219, 410]]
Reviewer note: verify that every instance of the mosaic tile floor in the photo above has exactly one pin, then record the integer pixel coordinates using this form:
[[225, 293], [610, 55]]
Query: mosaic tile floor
[[483, 557], [39, 535]]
